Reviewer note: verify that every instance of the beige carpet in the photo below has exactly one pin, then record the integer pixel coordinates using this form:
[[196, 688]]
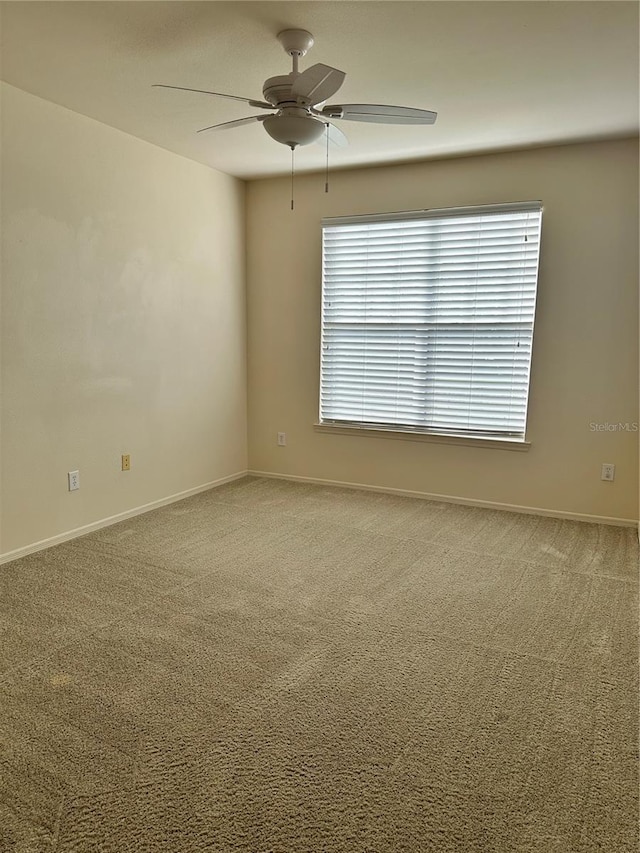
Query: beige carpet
[[280, 668]]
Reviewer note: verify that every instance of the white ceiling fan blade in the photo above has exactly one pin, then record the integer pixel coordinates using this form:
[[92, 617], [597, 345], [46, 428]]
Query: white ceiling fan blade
[[337, 139], [238, 122], [317, 83], [262, 104], [379, 113]]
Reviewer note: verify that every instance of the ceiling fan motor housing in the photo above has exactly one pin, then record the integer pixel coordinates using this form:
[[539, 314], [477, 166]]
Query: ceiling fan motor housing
[[277, 90]]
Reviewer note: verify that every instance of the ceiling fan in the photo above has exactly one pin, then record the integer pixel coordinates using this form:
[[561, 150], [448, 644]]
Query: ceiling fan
[[299, 118]]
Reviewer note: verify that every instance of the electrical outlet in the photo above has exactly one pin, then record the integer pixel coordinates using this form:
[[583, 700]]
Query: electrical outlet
[[74, 480], [126, 462], [282, 439], [608, 471]]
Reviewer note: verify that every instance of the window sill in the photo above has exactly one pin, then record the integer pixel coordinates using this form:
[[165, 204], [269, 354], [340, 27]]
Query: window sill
[[432, 438]]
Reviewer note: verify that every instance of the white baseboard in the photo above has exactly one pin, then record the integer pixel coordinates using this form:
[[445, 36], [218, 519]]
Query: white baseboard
[[114, 519], [529, 510], [140, 510]]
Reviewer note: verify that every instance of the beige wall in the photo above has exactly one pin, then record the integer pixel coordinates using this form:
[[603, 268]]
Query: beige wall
[[123, 321], [123, 325], [585, 361]]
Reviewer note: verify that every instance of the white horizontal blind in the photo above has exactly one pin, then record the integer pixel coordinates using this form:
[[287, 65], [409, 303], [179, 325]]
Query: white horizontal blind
[[427, 319]]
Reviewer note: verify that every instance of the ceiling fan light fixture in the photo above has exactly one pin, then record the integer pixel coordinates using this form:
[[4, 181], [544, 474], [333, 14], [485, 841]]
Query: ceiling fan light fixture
[[294, 130]]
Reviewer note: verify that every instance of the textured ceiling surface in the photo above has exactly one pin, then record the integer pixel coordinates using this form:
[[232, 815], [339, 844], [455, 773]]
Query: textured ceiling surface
[[500, 75]]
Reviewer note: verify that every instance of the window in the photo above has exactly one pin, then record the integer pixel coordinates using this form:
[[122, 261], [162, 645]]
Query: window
[[427, 320]]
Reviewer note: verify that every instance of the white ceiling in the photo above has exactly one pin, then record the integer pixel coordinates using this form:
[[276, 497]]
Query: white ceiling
[[500, 75]]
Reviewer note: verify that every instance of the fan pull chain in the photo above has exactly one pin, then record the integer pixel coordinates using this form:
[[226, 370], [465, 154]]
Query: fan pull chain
[[326, 177], [292, 150]]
